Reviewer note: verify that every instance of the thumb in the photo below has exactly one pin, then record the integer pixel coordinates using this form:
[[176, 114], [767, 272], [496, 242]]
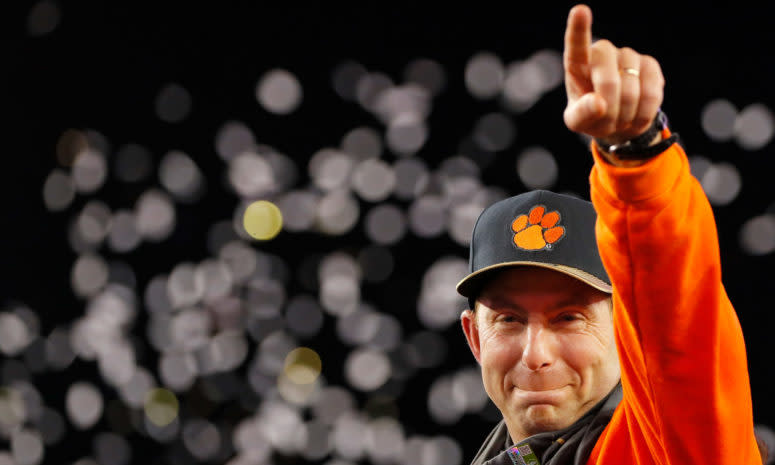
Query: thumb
[[584, 112]]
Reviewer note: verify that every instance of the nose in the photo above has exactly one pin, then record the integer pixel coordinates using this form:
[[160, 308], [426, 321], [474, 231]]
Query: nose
[[538, 352]]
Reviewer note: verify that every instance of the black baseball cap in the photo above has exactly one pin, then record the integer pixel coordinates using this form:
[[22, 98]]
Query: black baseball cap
[[537, 228]]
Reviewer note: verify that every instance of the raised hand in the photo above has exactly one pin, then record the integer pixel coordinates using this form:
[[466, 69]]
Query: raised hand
[[613, 93]]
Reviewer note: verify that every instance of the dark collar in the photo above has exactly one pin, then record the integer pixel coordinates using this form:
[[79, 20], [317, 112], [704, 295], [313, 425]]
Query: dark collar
[[568, 446]]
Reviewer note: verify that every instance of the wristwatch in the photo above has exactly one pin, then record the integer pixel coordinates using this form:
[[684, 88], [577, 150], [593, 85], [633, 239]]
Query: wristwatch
[[638, 148]]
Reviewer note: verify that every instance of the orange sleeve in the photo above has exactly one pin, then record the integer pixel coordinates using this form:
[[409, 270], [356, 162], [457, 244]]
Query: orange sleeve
[[687, 396]]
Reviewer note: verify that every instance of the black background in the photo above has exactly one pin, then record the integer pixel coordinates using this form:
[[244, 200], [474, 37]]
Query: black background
[[103, 65]]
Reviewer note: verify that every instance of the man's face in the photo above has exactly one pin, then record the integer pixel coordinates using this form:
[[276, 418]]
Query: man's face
[[545, 342]]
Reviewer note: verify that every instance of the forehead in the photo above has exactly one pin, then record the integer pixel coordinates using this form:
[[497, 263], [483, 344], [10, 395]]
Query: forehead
[[518, 284]]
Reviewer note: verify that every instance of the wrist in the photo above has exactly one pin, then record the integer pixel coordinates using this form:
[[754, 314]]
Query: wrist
[[617, 160], [637, 150]]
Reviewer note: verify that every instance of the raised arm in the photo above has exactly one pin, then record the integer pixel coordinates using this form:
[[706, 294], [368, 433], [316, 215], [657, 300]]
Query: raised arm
[[684, 369]]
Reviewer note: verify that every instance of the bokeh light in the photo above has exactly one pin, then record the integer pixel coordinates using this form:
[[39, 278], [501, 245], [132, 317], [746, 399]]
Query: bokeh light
[[173, 103], [304, 316], [406, 134], [202, 438], [367, 369], [133, 163], [279, 91], [302, 365], [349, 438], [43, 18], [112, 449], [722, 183], [428, 73], [263, 220], [494, 132], [15, 335], [27, 447], [13, 412], [428, 216], [537, 168], [89, 171], [161, 406], [58, 191], [369, 86], [718, 119], [155, 216], [298, 209], [444, 406], [373, 180], [70, 145], [484, 74], [362, 143], [89, 275], [52, 426], [234, 138], [754, 127], [251, 175], [757, 235], [376, 262], [385, 224], [181, 176], [84, 404], [439, 304], [411, 178], [337, 213], [330, 169]]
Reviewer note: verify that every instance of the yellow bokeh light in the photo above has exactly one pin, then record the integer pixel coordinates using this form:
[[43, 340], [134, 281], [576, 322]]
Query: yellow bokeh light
[[262, 220], [161, 406], [12, 408], [302, 365]]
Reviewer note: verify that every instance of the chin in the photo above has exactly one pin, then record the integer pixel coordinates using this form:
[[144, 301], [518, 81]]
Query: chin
[[542, 418]]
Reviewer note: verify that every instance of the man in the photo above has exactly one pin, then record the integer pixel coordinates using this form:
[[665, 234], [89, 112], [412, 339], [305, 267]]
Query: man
[[647, 367]]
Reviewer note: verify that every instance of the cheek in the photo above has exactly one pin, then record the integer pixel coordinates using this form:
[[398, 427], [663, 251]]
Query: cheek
[[500, 352], [586, 353]]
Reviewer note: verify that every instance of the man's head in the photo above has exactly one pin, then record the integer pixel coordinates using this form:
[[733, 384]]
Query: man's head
[[540, 325]]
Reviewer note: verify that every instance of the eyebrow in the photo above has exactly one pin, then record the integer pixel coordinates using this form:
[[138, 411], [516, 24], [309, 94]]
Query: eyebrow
[[574, 300]]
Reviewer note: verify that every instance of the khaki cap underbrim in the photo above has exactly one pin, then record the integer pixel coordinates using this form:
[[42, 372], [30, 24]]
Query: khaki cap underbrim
[[471, 283]]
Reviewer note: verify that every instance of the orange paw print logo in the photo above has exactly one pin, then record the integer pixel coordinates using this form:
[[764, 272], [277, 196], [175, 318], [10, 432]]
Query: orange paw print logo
[[537, 230]]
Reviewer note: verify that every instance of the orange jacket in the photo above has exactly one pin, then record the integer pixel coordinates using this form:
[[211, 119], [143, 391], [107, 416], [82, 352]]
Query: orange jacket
[[687, 396]]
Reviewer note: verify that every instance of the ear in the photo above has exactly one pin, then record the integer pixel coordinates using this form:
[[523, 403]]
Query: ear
[[471, 330]]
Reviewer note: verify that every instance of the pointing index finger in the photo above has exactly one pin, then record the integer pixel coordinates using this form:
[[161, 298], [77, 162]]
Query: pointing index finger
[[578, 36]]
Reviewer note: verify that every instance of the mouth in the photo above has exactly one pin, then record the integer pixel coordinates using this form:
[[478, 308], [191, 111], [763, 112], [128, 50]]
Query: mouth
[[540, 389], [541, 396]]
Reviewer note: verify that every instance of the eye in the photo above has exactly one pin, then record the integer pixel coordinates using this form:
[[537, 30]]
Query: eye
[[506, 318], [568, 317]]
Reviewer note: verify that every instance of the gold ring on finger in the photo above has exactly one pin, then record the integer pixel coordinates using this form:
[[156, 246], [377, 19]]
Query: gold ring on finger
[[631, 71]]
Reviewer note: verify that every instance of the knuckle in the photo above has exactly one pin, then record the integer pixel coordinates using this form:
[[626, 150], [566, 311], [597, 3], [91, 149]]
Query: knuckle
[[607, 123], [629, 96], [649, 60], [608, 127], [641, 122], [651, 63], [604, 43], [567, 119], [602, 46], [651, 94], [570, 119], [607, 84]]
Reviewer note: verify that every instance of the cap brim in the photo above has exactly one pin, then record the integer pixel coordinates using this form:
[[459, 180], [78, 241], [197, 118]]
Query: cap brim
[[471, 284]]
